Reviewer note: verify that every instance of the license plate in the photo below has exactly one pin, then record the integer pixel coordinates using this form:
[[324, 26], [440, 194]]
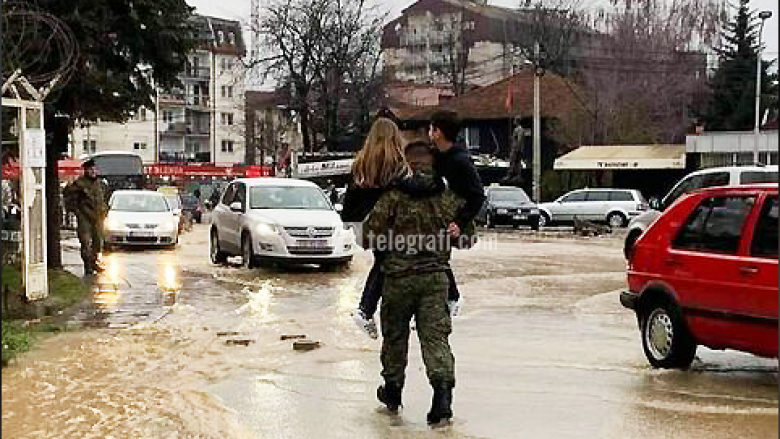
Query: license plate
[[142, 234], [519, 217], [312, 243]]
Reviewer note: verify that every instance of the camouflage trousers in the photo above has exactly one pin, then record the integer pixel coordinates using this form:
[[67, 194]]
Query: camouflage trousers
[[90, 233], [424, 297]]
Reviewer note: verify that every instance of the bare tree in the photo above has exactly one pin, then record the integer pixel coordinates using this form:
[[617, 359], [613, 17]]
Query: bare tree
[[313, 47], [650, 71], [349, 50], [291, 31], [558, 26], [452, 39]]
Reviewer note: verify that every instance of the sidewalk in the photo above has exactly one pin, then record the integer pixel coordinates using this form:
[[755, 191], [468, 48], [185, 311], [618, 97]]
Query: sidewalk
[[115, 303]]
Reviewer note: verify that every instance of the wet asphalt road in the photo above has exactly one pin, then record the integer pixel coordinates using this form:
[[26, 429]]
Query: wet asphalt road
[[543, 350]]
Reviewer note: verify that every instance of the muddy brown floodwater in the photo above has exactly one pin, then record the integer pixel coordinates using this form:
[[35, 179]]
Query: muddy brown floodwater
[[543, 349]]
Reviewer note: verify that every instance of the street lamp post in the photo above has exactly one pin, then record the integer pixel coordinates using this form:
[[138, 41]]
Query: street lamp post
[[763, 15]]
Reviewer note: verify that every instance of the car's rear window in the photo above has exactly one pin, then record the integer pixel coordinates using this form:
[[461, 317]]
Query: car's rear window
[[621, 196], [765, 238], [715, 225], [750, 177], [598, 196]]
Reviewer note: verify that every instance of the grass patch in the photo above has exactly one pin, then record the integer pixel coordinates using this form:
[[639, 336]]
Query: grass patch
[[16, 339], [24, 323]]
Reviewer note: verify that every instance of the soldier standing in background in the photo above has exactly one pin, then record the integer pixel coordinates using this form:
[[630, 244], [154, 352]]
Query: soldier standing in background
[[86, 198]]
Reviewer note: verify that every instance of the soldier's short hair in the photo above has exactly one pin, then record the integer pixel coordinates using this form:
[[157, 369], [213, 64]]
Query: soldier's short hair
[[89, 164]]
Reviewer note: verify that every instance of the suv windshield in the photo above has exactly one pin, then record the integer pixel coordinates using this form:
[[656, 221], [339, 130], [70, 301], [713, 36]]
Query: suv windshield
[[276, 197], [139, 203], [509, 196]]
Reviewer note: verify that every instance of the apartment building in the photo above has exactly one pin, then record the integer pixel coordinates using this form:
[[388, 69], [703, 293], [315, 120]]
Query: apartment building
[[431, 37], [201, 122]]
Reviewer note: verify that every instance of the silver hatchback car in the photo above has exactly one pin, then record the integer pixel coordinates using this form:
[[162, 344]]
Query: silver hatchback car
[[613, 206]]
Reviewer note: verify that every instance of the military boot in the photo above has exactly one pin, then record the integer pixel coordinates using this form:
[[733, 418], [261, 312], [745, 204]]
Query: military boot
[[390, 395], [441, 407]]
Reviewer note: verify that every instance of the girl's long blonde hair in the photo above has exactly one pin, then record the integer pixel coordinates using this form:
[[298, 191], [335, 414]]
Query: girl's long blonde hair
[[382, 158]]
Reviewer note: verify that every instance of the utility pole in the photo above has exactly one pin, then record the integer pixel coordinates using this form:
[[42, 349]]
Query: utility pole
[[763, 15], [537, 128]]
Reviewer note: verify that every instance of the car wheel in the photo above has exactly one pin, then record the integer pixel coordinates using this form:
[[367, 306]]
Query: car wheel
[[536, 223], [544, 220], [617, 219], [247, 252], [665, 338], [217, 255], [489, 221]]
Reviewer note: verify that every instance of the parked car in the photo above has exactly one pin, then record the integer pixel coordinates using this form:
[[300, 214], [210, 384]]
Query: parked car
[[726, 176], [616, 207], [705, 273], [192, 205], [506, 205], [140, 217], [280, 220]]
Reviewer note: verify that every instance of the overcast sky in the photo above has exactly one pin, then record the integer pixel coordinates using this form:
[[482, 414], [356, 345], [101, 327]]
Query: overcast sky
[[239, 10]]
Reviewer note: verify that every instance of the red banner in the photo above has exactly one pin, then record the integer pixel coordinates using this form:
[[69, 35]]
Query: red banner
[[72, 168]]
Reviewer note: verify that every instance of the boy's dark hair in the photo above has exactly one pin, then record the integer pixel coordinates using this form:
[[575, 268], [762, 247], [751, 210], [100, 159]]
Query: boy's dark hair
[[448, 122], [88, 164]]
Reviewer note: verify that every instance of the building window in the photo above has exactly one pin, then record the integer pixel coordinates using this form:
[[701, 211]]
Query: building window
[[89, 146], [142, 114], [221, 37], [230, 91], [227, 118], [139, 145], [223, 64], [224, 91], [227, 146], [231, 38], [168, 116]]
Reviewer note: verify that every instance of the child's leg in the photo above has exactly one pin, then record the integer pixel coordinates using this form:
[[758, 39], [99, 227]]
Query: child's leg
[[372, 291]]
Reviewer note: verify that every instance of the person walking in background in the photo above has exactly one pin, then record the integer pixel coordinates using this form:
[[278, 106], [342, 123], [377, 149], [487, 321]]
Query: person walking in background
[[412, 234], [86, 198]]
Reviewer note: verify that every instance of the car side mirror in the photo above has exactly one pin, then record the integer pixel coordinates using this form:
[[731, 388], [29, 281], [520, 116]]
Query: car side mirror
[[655, 203], [236, 206], [338, 207]]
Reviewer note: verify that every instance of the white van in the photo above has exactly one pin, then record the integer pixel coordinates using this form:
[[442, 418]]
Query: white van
[[726, 176]]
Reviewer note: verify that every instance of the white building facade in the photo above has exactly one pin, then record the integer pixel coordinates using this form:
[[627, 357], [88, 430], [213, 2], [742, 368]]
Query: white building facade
[[202, 122]]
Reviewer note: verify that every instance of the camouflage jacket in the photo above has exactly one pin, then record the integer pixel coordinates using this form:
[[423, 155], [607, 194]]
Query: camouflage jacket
[[411, 230], [86, 198]]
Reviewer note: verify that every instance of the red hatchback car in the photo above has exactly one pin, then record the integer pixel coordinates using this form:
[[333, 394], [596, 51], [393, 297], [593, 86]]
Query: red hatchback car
[[705, 273]]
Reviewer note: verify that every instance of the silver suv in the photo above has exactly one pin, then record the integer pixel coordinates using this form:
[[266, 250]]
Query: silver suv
[[725, 176], [613, 206]]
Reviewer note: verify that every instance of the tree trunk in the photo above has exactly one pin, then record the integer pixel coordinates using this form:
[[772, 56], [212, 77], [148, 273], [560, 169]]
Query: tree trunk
[[59, 142]]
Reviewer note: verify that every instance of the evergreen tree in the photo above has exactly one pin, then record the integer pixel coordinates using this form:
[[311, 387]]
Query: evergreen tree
[[732, 104]]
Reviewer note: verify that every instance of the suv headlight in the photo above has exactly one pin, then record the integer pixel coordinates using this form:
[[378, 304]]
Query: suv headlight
[[170, 224], [266, 229]]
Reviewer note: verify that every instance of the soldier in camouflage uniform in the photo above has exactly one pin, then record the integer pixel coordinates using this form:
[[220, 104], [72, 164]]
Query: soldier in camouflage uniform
[[413, 232], [86, 198]]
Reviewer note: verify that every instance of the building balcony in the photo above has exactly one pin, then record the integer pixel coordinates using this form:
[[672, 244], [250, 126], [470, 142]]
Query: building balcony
[[171, 99], [198, 131], [200, 74], [198, 101], [174, 129]]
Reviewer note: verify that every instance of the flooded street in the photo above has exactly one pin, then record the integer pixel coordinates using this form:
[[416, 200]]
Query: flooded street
[[543, 349]]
